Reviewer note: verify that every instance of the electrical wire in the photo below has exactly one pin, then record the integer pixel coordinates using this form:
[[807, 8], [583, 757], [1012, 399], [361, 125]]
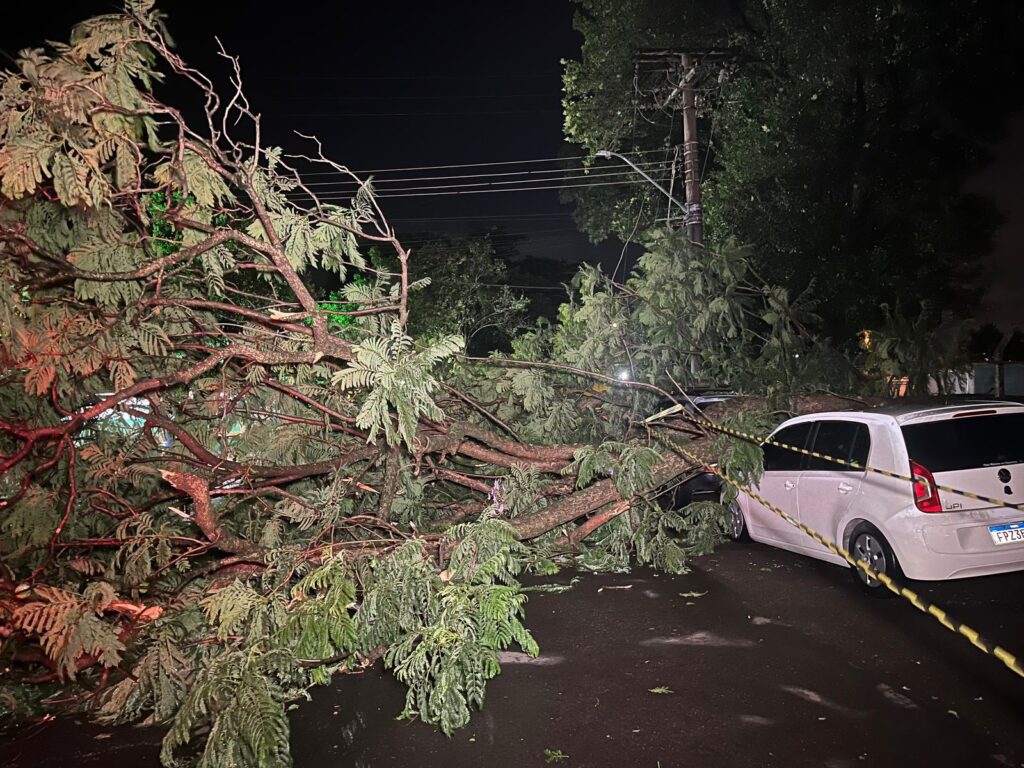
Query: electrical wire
[[336, 196], [460, 113], [549, 172], [421, 187], [379, 97], [501, 216], [468, 165], [417, 77]]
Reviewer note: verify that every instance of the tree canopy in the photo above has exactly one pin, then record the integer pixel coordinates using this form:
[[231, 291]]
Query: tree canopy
[[466, 293], [837, 137]]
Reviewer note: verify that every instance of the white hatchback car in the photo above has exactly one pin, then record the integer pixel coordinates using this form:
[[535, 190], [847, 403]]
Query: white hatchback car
[[898, 527]]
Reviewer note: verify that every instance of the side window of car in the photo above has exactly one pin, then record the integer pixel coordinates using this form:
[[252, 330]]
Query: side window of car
[[778, 459], [845, 440]]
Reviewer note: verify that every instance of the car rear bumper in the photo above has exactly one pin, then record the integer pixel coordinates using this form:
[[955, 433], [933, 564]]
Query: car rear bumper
[[954, 545]]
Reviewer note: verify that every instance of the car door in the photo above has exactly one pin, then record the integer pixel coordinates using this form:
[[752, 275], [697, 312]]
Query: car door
[[828, 488], [778, 485]]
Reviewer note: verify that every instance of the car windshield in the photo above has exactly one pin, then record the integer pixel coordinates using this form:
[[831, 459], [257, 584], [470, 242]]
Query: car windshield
[[968, 442]]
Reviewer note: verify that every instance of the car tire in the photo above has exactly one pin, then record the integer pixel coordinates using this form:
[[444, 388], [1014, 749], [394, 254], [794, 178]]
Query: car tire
[[737, 523], [868, 544]]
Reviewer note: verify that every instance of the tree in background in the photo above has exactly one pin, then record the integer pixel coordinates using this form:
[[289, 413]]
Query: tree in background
[[840, 137], [465, 292]]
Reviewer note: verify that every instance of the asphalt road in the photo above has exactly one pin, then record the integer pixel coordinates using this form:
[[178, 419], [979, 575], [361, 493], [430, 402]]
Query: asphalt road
[[778, 662]]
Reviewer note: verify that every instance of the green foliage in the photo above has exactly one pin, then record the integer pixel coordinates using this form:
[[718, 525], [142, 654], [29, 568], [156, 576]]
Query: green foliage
[[444, 631], [397, 376], [685, 318], [157, 686], [321, 626], [649, 535], [466, 293], [930, 349], [206, 187], [337, 308], [166, 237], [519, 491], [628, 465], [837, 143], [743, 459], [249, 725], [228, 610]]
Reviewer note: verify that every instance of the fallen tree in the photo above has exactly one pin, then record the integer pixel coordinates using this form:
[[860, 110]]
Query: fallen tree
[[216, 491]]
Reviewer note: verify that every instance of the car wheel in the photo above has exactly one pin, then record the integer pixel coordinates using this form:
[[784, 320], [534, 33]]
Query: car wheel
[[869, 545], [737, 525]]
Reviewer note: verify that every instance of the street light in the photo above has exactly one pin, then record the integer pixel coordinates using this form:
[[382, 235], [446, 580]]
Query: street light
[[607, 153]]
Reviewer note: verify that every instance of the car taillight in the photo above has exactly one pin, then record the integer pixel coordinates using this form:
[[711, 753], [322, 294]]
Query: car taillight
[[926, 495]]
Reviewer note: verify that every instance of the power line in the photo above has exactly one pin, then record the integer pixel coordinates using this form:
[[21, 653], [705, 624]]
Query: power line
[[382, 190], [433, 97], [656, 165], [334, 196], [510, 216], [470, 165], [461, 113], [509, 76]]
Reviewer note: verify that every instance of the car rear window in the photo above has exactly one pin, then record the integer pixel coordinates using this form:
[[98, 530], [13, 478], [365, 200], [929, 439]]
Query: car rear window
[[967, 442]]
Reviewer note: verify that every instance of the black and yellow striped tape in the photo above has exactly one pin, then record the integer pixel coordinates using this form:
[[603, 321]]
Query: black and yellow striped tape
[[707, 423], [979, 642]]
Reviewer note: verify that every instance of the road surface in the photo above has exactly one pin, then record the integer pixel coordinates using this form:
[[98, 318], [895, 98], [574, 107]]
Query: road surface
[[757, 658]]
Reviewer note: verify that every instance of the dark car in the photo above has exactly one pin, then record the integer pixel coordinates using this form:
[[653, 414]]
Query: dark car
[[700, 486]]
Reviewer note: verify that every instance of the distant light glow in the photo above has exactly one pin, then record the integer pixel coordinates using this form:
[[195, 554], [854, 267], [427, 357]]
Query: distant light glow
[[624, 374]]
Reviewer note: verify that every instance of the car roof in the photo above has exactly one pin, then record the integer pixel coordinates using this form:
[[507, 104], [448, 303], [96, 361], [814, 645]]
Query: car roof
[[903, 413]]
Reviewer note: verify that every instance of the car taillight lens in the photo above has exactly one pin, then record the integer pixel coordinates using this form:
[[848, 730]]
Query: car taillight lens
[[926, 495]]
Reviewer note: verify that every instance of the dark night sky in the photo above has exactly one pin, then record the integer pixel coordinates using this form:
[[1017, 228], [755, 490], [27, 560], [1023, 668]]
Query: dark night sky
[[389, 85], [397, 83]]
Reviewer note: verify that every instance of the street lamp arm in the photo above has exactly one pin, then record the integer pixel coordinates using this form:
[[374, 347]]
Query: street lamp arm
[[607, 153]]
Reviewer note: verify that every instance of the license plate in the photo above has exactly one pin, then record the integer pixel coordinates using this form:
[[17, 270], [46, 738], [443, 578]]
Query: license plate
[[1007, 534]]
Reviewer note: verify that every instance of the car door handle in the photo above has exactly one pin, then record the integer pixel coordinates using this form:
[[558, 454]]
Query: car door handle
[[789, 485], [845, 487]]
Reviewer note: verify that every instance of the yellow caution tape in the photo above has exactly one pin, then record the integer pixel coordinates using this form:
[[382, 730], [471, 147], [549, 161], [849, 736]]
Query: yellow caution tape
[[979, 642], [679, 409]]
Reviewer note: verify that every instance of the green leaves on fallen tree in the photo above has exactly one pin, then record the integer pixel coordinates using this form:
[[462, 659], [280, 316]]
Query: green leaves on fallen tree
[[194, 175], [155, 689], [235, 693], [399, 377], [627, 464], [649, 535], [444, 631]]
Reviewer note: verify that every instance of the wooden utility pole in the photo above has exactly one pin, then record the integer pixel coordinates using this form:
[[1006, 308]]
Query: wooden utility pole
[[677, 76], [691, 154]]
